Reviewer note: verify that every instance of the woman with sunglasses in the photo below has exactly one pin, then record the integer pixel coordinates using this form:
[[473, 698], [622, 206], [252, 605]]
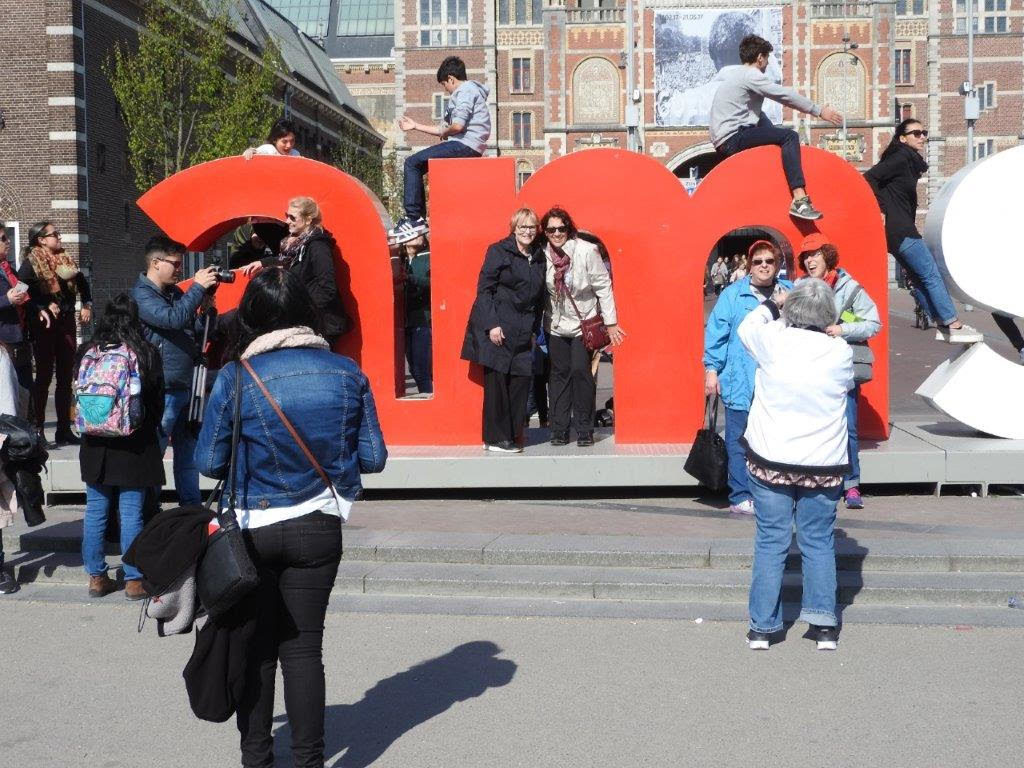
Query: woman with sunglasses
[[894, 181], [575, 273], [729, 368], [501, 329], [54, 285], [308, 251]]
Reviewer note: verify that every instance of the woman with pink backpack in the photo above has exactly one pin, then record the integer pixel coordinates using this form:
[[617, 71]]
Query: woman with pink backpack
[[119, 393]]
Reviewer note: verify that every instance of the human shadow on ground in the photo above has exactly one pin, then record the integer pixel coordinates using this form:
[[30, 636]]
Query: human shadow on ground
[[365, 730]]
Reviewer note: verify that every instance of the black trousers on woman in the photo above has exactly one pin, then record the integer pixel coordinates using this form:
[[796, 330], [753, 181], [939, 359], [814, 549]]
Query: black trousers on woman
[[571, 388], [505, 396], [297, 562]]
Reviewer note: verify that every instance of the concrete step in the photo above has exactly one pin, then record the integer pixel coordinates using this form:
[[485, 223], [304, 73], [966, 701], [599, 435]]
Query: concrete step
[[880, 555], [690, 585]]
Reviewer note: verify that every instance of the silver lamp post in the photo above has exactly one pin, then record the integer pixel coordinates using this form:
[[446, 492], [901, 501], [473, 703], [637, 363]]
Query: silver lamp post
[[847, 47]]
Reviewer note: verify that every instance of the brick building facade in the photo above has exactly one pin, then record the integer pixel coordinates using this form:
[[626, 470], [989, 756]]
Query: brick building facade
[[557, 71], [63, 149]]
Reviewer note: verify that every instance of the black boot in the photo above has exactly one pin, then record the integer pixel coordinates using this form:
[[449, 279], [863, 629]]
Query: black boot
[[65, 436]]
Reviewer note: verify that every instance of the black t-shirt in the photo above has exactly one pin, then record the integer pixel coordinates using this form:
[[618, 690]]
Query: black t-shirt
[[764, 290]]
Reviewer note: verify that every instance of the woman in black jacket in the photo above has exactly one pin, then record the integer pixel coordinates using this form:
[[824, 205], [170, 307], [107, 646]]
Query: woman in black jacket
[[119, 470], [894, 182], [308, 251], [501, 328]]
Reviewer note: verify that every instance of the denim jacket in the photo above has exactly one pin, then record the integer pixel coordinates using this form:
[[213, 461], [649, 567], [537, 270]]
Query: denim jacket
[[724, 353], [327, 399]]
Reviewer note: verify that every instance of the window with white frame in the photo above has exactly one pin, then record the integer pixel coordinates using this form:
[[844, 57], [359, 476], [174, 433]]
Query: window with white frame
[[904, 66], [522, 129], [444, 22], [522, 74], [989, 16], [986, 93], [524, 170], [440, 105], [984, 148]]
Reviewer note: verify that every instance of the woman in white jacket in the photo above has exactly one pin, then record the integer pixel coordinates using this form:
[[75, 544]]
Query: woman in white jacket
[[858, 321], [579, 287], [796, 443]]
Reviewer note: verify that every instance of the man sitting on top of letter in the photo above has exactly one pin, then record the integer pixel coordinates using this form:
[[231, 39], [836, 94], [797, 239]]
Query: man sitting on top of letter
[[737, 122]]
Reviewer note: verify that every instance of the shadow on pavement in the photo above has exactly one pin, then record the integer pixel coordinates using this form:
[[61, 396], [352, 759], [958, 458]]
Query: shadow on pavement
[[396, 705]]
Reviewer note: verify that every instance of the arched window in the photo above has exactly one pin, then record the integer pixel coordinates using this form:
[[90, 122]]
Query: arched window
[[842, 82]]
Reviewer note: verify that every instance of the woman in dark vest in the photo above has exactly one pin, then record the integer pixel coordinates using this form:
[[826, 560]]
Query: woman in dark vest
[[500, 333]]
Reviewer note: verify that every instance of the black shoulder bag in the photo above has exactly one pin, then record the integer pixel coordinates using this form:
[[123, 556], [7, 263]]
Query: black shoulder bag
[[226, 573], [708, 461]]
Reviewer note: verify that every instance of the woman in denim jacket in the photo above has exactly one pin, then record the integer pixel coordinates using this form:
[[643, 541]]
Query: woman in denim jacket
[[290, 520]]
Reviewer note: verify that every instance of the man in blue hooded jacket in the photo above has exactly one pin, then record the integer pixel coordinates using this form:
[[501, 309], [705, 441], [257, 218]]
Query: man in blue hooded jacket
[[729, 368]]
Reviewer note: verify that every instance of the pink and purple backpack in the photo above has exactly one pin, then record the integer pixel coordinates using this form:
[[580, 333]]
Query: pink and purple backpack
[[108, 392]]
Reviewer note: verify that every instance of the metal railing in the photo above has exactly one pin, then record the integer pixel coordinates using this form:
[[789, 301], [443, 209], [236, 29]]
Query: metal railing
[[847, 10], [595, 15]]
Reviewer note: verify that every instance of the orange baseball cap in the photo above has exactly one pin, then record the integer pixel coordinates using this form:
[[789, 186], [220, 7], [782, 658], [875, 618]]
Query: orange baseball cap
[[813, 242]]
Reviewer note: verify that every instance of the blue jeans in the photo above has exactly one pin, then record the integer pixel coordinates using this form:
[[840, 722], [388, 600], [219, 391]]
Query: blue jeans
[[418, 351], [765, 133], [929, 288], [815, 510], [735, 426], [175, 427], [852, 480], [414, 199], [98, 499]]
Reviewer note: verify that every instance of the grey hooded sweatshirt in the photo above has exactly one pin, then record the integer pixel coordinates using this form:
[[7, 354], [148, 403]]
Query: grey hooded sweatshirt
[[738, 100], [468, 107]]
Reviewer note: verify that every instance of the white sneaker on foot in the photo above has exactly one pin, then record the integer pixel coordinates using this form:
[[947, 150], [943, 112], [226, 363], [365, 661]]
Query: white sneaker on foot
[[965, 334], [743, 508]]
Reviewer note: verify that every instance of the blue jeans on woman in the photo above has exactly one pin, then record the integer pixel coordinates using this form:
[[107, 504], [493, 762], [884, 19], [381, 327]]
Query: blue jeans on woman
[[98, 499], [852, 480], [735, 426], [929, 287], [815, 512]]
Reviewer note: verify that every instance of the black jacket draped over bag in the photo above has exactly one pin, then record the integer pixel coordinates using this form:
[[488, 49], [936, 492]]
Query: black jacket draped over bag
[[510, 293]]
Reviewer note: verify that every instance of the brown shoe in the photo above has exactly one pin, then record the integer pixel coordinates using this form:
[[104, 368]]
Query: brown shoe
[[101, 585], [133, 590]]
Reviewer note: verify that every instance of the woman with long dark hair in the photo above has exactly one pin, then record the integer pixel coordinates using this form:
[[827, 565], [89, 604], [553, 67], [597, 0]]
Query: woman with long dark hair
[[579, 287], [118, 469], [55, 284], [291, 518], [894, 181]]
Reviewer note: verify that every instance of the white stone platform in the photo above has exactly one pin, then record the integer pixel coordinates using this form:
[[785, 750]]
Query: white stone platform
[[920, 451]]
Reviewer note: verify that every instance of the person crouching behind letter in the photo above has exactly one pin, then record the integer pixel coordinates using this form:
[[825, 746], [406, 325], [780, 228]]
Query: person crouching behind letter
[[501, 328], [796, 445]]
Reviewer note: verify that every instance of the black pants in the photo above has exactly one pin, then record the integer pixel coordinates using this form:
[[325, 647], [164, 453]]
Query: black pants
[[505, 396], [765, 133], [297, 562], [571, 388]]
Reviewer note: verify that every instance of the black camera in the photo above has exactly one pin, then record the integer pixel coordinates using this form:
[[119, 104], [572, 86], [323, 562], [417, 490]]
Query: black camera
[[224, 275]]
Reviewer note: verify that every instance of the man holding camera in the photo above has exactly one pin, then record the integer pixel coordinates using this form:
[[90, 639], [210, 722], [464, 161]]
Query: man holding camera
[[171, 323]]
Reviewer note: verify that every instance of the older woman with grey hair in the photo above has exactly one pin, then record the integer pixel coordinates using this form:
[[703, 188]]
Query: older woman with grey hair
[[796, 445]]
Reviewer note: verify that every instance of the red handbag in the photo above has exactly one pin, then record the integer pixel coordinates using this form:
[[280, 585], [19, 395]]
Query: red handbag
[[595, 332]]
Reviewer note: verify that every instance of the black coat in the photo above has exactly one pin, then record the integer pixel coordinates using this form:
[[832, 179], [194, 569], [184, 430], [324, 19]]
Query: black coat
[[894, 182], [135, 461], [314, 265], [510, 293]]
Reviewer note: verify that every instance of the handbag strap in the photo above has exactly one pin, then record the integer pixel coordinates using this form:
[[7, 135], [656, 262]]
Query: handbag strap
[[236, 431], [711, 412], [288, 425]]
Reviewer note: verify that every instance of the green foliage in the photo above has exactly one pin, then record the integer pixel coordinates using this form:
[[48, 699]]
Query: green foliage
[[179, 104], [358, 156]]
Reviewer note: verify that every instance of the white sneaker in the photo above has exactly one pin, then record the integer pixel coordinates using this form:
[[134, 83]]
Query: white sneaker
[[965, 334], [743, 508], [757, 641]]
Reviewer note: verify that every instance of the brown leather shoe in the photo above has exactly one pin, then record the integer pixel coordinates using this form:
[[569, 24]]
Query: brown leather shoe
[[133, 590], [101, 585]]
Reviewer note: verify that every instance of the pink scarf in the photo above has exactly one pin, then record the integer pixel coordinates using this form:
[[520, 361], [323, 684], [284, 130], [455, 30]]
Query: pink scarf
[[561, 262]]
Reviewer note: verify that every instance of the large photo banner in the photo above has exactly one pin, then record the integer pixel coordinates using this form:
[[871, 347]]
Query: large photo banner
[[690, 49]]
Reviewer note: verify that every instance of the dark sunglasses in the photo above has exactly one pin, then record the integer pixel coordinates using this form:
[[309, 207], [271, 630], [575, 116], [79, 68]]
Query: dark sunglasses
[[55, 233], [554, 230], [289, 217], [3, 237], [917, 133], [759, 262]]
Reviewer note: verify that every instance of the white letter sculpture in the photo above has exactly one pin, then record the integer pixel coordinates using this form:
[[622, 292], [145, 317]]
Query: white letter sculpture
[[974, 230]]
